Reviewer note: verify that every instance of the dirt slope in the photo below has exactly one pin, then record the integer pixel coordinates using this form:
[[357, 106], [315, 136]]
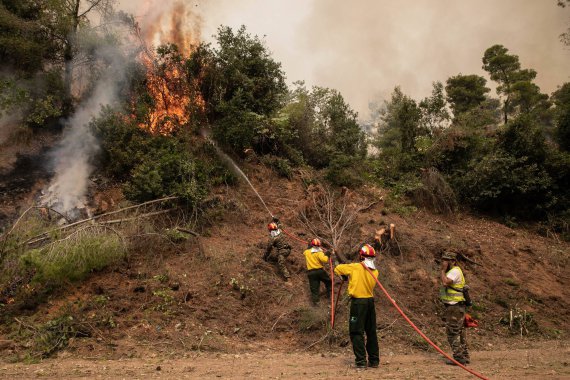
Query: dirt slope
[[173, 299]]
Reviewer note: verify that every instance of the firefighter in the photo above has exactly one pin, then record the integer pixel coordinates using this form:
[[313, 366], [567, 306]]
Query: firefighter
[[362, 319], [451, 294], [282, 249], [315, 258]]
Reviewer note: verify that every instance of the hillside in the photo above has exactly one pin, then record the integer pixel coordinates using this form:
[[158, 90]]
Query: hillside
[[181, 296]]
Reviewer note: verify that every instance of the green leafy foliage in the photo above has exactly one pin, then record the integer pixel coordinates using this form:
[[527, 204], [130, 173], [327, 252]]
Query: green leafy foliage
[[323, 126], [466, 92], [502, 183], [561, 99], [154, 166], [241, 84]]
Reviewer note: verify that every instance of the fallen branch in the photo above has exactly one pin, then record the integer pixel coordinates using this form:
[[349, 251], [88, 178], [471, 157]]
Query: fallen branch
[[137, 217], [365, 208], [42, 237], [62, 228], [318, 341], [187, 231], [277, 320]]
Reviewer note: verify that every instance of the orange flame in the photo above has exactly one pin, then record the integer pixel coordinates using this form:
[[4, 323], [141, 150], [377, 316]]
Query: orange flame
[[175, 100], [171, 100]]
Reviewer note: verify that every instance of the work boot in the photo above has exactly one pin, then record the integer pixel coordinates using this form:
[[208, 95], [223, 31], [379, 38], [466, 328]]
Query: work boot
[[373, 365], [360, 367], [462, 361]]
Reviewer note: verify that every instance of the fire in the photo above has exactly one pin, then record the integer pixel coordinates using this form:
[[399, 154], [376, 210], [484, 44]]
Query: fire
[[170, 98], [175, 99]]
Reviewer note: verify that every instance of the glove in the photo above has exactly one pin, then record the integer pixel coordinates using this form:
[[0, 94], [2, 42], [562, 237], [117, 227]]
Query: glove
[[344, 277], [275, 219]]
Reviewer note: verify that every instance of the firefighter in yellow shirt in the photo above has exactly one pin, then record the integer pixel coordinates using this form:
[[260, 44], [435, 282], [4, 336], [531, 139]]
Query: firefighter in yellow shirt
[[315, 258], [362, 317]]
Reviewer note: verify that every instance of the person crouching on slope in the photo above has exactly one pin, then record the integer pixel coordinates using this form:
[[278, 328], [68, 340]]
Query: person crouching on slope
[[315, 258], [362, 318], [282, 249]]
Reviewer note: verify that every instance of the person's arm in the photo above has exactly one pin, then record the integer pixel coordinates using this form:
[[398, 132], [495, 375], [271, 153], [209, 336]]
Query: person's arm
[[445, 281], [323, 258]]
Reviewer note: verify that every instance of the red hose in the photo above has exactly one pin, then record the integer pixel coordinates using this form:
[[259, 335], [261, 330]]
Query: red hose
[[336, 303], [294, 237], [332, 292], [418, 330]]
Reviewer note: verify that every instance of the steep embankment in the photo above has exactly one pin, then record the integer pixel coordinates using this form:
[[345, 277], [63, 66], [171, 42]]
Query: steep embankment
[[216, 293]]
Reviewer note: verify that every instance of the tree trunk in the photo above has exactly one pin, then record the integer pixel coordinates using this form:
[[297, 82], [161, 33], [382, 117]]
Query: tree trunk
[[68, 56]]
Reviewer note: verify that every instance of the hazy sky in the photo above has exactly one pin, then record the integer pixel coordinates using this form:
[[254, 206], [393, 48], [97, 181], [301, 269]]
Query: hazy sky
[[364, 48]]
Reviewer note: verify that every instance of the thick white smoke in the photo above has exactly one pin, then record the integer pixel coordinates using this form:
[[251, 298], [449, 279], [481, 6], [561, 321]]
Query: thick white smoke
[[73, 157]]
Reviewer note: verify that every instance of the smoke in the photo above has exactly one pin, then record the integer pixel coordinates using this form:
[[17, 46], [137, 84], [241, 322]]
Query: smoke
[[365, 48], [73, 157], [167, 21]]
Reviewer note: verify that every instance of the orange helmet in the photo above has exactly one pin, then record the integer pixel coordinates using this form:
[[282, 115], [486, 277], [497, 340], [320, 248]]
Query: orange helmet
[[367, 251], [316, 242], [272, 226]]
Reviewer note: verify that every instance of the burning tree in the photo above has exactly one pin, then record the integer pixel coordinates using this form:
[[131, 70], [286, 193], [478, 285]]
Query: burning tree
[[173, 98]]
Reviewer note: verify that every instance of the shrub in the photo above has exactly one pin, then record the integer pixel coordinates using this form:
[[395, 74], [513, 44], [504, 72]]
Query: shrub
[[344, 170], [280, 165], [72, 260], [503, 184]]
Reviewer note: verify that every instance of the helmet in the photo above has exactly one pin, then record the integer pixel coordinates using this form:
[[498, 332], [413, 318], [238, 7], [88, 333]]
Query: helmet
[[448, 255], [367, 251], [272, 226], [316, 242]]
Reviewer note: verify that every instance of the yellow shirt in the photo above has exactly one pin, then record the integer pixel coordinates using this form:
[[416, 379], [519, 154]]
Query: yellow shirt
[[360, 282], [315, 260]]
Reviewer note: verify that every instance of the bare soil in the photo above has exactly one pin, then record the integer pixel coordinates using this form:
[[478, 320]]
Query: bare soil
[[550, 360], [213, 308]]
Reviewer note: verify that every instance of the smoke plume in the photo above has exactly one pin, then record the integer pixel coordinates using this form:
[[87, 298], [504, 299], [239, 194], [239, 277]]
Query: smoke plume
[[365, 48], [73, 157], [167, 21]]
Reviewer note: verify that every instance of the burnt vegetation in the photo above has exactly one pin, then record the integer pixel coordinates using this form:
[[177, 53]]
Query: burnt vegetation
[[127, 265]]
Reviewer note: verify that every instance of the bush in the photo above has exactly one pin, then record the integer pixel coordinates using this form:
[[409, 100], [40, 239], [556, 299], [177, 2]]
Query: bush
[[280, 165], [74, 259], [344, 170], [435, 193], [502, 184]]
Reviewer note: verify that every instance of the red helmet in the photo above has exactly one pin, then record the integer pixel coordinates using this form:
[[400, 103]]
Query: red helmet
[[367, 251], [272, 226], [316, 242]]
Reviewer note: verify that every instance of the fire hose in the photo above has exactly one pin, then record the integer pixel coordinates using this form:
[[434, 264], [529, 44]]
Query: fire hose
[[428, 340], [418, 330]]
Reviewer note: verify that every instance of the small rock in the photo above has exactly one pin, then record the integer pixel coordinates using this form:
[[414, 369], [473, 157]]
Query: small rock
[[158, 368]]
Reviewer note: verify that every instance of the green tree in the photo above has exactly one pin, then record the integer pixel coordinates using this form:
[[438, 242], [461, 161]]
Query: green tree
[[25, 45], [66, 21], [466, 92], [323, 126], [435, 115], [239, 80], [515, 84], [400, 123], [561, 99]]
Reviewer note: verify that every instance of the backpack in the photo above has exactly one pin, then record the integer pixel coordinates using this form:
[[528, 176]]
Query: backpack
[[466, 295]]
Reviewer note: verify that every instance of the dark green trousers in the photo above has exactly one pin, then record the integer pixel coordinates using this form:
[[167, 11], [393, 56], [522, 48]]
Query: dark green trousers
[[316, 276], [362, 321]]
